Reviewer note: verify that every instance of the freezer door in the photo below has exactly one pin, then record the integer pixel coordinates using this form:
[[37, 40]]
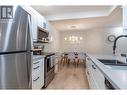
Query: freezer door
[[14, 71], [13, 34]]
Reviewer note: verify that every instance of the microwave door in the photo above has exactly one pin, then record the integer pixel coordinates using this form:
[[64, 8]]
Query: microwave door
[[42, 35]]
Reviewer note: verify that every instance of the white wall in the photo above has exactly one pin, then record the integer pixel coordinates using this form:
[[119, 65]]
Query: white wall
[[94, 41], [53, 45], [97, 40]]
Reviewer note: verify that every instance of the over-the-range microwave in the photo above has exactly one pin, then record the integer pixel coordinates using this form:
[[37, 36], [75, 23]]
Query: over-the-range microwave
[[42, 35]]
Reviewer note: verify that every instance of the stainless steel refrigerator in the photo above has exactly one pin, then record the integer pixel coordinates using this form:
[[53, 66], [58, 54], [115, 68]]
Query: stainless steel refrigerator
[[15, 51]]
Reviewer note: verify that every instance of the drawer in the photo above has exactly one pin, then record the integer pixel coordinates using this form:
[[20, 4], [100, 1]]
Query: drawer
[[37, 65], [36, 72], [37, 80], [37, 83], [36, 68], [37, 62]]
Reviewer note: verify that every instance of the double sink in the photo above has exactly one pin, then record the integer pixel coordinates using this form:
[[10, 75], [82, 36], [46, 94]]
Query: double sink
[[114, 64]]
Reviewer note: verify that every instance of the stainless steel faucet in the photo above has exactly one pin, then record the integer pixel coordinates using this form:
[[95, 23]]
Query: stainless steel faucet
[[114, 45]]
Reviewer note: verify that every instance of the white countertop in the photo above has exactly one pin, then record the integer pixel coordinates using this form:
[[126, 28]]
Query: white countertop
[[117, 77], [38, 56], [42, 55]]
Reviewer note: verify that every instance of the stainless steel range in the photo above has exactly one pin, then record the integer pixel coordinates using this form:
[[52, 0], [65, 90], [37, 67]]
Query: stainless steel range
[[49, 68]]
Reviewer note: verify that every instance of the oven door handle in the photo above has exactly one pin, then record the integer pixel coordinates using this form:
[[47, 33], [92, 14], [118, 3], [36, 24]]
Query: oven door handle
[[48, 57]]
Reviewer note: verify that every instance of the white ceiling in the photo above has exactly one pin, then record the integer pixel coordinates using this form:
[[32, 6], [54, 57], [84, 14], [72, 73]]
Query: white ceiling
[[83, 17], [73, 12]]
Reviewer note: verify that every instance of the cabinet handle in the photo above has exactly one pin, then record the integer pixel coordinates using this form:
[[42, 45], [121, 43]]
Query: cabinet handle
[[88, 58], [36, 67], [36, 79], [36, 62], [93, 66]]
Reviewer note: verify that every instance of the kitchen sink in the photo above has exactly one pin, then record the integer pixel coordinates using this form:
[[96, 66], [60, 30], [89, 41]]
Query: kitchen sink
[[112, 62], [117, 67]]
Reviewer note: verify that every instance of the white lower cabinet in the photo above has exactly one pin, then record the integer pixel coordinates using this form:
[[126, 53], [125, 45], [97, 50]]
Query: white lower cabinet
[[98, 77], [38, 73], [95, 77], [36, 80]]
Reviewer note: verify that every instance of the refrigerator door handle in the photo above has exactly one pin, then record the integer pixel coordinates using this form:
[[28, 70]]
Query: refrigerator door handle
[[30, 54], [29, 39], [30, 70]]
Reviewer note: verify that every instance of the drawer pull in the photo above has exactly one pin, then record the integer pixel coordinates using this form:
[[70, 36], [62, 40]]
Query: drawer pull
[[88, 58], [36, 79], [93, 67], [36, 62], [36, 67]]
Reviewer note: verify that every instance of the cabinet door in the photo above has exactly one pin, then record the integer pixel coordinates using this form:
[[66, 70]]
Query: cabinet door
[[92, 78], [89, 73], [88, 77], [38, 74], [94, 85], [36, 79], [42, 21], [98, 77], [88, 62], [94, 75], [34, 26], [125, 18]]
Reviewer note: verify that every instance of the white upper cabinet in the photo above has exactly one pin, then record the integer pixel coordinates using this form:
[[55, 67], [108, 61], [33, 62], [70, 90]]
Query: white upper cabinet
[[125, 17], [34, 26], [37, 20], [42, 22]]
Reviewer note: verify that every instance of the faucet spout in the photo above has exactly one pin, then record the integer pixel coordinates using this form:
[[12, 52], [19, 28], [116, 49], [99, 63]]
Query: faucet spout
[[114, 45]]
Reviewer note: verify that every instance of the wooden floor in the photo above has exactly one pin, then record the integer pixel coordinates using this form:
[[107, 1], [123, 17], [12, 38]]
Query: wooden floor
[[70, 78]]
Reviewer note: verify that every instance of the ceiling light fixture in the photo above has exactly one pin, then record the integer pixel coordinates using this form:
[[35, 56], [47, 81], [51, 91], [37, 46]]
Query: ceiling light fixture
[[65, 38], [80, 38]]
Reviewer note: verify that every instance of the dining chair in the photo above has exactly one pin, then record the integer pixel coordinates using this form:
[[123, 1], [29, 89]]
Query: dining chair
[[81, 57], [71, 58], [58, 61], [63, 58]]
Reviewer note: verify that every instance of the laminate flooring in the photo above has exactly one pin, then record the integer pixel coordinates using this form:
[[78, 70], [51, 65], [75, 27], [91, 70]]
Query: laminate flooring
[[70, 77]]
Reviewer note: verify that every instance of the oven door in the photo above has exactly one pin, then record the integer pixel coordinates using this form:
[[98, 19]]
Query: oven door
[[49, 63]]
